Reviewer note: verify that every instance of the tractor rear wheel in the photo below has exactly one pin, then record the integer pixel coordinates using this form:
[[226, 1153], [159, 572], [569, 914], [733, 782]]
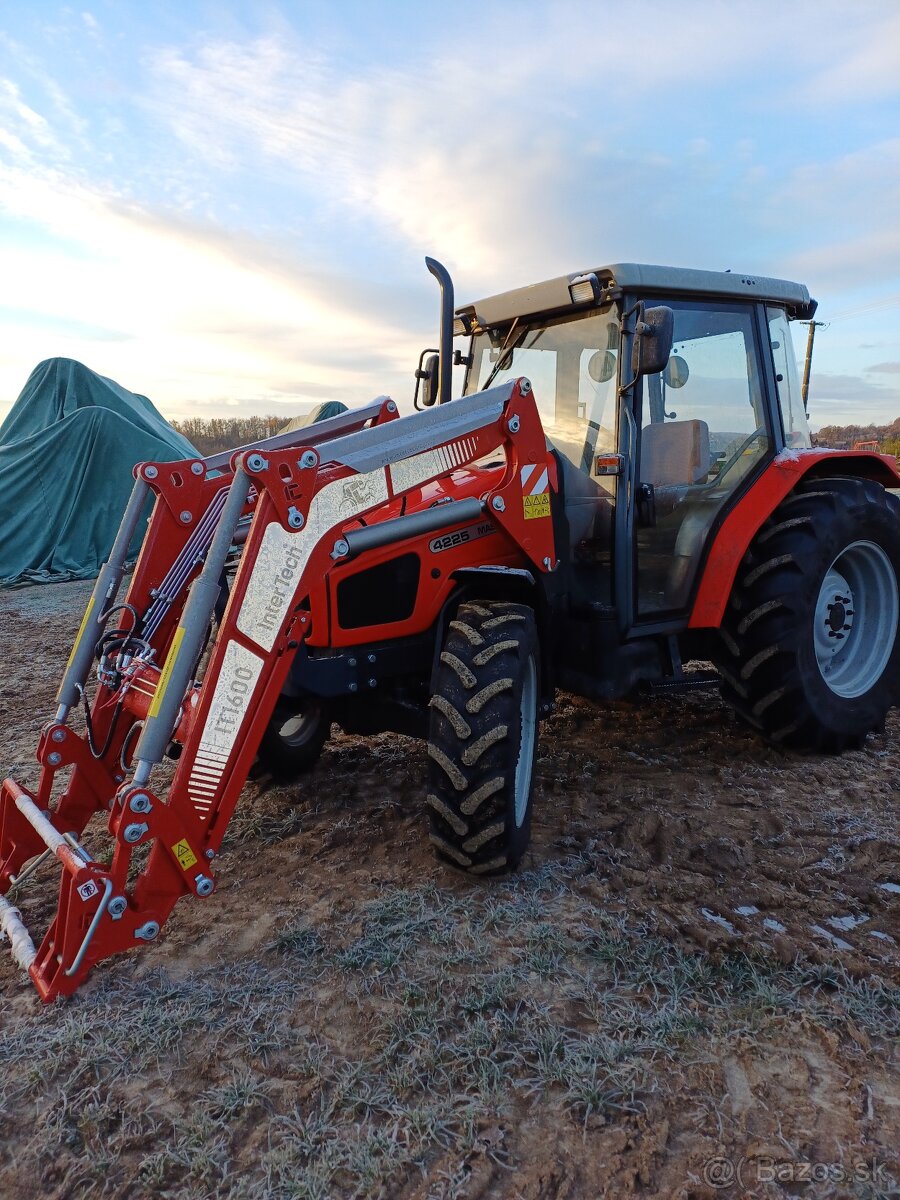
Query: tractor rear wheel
[[294, 737], [482, 740], [810, 652]]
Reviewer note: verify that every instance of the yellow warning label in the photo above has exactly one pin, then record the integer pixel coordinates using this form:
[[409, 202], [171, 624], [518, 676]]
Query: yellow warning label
[[185, 855], [166, 672], [536, 506], [82, 628]]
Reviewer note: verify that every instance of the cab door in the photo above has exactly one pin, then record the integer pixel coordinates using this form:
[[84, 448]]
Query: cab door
[[703, 429]]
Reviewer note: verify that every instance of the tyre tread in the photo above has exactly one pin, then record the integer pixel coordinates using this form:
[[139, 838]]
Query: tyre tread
[[764, 678], [474, 715]]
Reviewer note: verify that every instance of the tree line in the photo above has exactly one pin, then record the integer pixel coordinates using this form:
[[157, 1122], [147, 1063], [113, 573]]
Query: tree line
[[209, 435], [845, 437]]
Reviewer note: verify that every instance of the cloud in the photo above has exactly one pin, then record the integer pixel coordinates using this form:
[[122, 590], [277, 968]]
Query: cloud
[[849, 205], [37, 118], [842, 399], [545, 143], [24, 127], [873, 257], [203, 315], [385, 146], [886, 368], [849, 387], [496, 157], [512, 160], [866, 62]]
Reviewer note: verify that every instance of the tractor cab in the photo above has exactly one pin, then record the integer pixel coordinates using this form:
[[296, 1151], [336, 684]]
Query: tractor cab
[[650, 459]]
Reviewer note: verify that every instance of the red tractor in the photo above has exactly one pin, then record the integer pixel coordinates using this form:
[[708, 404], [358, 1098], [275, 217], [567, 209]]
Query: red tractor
[[625, 485]]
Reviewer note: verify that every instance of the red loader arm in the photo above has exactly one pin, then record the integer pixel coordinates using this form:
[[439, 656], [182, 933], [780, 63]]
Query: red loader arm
[[300, 500]]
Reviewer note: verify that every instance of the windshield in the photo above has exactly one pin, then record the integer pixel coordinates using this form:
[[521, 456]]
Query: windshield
[[571, 363]]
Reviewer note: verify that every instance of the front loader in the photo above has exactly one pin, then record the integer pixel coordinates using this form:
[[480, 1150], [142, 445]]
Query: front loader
[[443, 573]]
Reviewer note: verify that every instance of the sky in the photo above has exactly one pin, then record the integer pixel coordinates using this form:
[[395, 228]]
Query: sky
[[226, 206]]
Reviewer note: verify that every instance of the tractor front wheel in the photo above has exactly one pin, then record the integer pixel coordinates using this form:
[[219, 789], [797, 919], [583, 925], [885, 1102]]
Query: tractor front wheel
[[482, 739], [810, 649]]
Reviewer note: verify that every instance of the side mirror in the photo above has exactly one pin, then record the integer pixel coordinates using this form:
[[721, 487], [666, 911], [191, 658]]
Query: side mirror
[[653, 336], [428, 374]]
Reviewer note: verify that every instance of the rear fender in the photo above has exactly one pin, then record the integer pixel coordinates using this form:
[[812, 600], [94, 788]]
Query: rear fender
[[737, 531]]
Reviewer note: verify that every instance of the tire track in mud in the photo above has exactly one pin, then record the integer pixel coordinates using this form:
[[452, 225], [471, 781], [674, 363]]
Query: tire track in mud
[[732, 842]]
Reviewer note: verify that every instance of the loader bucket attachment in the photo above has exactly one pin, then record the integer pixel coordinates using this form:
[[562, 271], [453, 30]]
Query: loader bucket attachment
[[174, 670]]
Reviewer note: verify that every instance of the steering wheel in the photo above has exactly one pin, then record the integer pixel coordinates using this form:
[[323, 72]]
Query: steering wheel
[[759, 431]]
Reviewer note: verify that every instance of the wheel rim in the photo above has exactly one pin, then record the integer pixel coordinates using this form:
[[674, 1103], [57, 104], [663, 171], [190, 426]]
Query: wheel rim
[[527, 725], [855, 622], [297, 729]]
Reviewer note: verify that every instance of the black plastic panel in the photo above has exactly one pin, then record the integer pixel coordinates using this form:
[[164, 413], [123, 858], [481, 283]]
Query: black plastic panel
[[380, 595]]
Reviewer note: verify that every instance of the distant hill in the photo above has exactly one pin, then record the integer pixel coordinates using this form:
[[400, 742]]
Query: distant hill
[[843, 437]]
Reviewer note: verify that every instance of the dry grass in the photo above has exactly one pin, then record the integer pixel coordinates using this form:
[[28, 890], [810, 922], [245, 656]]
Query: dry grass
[[479, 1010], [343, 1018]]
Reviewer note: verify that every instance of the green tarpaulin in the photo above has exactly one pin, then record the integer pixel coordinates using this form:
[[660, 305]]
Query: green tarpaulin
[[322, 412], [67, 448]]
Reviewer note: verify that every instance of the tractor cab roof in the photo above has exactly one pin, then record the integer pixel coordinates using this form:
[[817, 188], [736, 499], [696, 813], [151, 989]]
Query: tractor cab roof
[[598, 284]]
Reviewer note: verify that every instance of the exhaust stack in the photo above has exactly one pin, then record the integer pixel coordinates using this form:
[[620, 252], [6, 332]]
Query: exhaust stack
[[445, 352]]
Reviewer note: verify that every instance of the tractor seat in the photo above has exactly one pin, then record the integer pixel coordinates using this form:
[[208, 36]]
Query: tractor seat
[[674, 457]]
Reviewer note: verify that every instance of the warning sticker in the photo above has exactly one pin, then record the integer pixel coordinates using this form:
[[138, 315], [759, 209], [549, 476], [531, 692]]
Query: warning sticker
[[536, 506], [185, 855], [82, 627], [166, 673], [87, 890]]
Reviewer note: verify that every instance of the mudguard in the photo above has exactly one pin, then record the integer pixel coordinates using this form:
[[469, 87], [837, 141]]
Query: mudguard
[[737, 531]]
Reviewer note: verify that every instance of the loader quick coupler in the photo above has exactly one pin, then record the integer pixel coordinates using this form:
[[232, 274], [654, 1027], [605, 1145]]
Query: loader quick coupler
[[289, 518]]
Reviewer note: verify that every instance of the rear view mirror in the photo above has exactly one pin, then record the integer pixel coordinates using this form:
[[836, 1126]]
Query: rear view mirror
[[428, 375], [652, 340]]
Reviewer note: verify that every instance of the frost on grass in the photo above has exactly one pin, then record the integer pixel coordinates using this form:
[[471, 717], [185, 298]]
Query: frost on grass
[[353, 1055]]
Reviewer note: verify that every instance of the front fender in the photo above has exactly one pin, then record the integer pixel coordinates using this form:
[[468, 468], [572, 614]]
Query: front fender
[[519, 585], [737, 531]]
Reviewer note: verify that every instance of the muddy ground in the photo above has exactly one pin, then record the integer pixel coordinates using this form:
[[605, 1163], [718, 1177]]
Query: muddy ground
[[690, 989]]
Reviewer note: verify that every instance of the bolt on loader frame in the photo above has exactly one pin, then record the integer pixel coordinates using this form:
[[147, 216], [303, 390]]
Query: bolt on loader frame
[[443, 573]]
